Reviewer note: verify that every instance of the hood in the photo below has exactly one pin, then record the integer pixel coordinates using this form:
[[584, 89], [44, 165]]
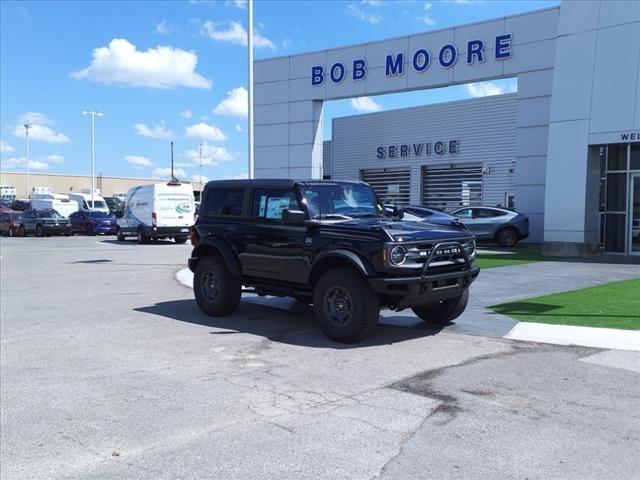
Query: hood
[[408, 231]]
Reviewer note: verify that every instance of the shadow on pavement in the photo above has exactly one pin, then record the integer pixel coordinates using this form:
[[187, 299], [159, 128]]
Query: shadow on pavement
[[293, 326], [133, 241]]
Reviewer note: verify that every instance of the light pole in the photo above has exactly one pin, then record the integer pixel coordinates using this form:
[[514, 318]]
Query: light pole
[[93, 114], [200, 171], [250, 61], [26, 154]]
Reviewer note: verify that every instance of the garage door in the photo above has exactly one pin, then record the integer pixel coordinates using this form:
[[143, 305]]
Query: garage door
[[449, 187], [391, 184]]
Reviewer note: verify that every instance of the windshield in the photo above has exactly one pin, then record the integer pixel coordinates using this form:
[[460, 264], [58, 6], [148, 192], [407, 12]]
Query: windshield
[[340, 201], [49, 214], [99, 214], [98, 204]]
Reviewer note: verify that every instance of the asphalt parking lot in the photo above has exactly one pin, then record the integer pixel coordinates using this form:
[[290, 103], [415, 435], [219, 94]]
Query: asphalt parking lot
[[109, 370]]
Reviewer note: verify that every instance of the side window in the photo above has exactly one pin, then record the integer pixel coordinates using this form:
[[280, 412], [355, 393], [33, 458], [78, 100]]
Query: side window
[[3, 217], [486, 213], [466, 213], [223, 202], [269, 203]]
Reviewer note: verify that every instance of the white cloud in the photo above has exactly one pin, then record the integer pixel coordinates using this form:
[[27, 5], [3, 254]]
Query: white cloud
[[365, 104], [199, 179], [41, 133], [35, 118], [234, 33], [426, 19], [485, 89], [372, 3], [122, 64], [5, 147], [38, 163], [157, 131], [211, 155], [239, 128], [241, 176], [204, 131], [165, 173], [163, 27], [241, 4], [138, 161], [356, 11], [187, 114], [235, 105]]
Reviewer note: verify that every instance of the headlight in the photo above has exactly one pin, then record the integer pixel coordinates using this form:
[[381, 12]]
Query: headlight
[[398, 255], [470, 247]]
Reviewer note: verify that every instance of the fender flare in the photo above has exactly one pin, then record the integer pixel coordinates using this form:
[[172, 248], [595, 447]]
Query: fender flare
[[220, 246], [360, 264]]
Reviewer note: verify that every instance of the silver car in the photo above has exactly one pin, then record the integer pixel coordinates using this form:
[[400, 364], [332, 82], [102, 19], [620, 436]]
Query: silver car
[[505, 226]]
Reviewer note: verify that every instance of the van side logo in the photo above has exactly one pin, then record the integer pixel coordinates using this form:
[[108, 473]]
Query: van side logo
[[184, 208]]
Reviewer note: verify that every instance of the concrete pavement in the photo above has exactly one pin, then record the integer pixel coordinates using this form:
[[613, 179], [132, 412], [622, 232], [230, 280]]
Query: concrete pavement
[[109, 370]]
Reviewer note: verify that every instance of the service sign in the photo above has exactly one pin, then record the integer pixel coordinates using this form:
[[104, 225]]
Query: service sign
[[446, 57]]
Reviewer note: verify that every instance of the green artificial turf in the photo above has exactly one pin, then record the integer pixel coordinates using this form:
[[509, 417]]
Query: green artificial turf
[[516, 256], [612, 305]]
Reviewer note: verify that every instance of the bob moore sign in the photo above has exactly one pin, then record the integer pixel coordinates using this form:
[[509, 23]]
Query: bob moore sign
[[418, 149], [420, 60]]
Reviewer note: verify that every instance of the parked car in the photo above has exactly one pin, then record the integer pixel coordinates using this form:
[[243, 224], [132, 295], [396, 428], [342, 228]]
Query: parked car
[[10, 223], [505, 226], [115, 204], [93, 222], [329, 243], [43, 222], [20, 205], [84, 200], [159, 210]]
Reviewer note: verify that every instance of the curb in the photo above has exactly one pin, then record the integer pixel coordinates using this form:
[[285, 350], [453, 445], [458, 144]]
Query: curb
[[184, 277]]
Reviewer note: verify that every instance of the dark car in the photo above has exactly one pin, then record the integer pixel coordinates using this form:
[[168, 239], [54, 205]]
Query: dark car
[[505, 226], [10, 223], [114, 204], [328, 243], [20, 205], [93, 222], [43, 222]]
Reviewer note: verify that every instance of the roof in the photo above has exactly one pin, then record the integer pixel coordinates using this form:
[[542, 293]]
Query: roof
[[271, 182]]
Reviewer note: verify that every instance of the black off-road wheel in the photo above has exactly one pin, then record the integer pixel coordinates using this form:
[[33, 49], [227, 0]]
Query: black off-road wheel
[[443, 312], [216, 289], [507, 237], [39, 231], [345, 306]]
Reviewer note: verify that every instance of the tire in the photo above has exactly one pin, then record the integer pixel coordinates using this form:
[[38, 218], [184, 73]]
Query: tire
[[507, 237], [443, 312], [140, 236], [21, 231], [345, 306], [180, 240], [39, 231], [89, 230], [216, 289], [119, 235], [10, 232]]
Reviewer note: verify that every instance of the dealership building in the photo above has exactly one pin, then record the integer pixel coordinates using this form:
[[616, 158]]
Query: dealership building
[[564, 149]]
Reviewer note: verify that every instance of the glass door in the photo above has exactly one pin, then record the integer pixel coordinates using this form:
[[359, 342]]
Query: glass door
[[634, 214]]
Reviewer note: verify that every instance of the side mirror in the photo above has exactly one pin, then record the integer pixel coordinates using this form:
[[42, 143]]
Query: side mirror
[[397, 212], [119, 214], [294, 217]]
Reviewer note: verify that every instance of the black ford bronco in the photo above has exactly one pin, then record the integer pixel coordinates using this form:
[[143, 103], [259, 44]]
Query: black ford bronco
[[330, 244]]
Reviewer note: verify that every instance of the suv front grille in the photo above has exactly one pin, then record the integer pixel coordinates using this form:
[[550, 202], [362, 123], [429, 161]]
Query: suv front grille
[[445, 258]]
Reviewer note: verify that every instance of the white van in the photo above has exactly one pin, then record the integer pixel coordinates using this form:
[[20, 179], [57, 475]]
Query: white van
[[54, 201], [160, 210], [84, 200]]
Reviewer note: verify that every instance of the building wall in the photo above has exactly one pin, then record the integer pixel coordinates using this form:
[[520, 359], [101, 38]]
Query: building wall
[[596, 100], [484, 127], [64, 183]]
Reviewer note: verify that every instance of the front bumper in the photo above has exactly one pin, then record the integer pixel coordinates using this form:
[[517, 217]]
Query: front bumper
[[56, 229], [106, 229], [424, 289]]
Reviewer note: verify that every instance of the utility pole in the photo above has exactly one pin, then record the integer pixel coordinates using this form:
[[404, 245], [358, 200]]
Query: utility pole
[[250, 61], [93, 114], [26, 154], [200, 172]]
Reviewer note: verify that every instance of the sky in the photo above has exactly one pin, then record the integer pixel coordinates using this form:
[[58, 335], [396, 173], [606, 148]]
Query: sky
[[163, 71]]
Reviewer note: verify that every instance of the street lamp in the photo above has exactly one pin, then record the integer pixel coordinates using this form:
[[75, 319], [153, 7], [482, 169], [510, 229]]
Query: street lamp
[[93, 114], [26, 153]]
